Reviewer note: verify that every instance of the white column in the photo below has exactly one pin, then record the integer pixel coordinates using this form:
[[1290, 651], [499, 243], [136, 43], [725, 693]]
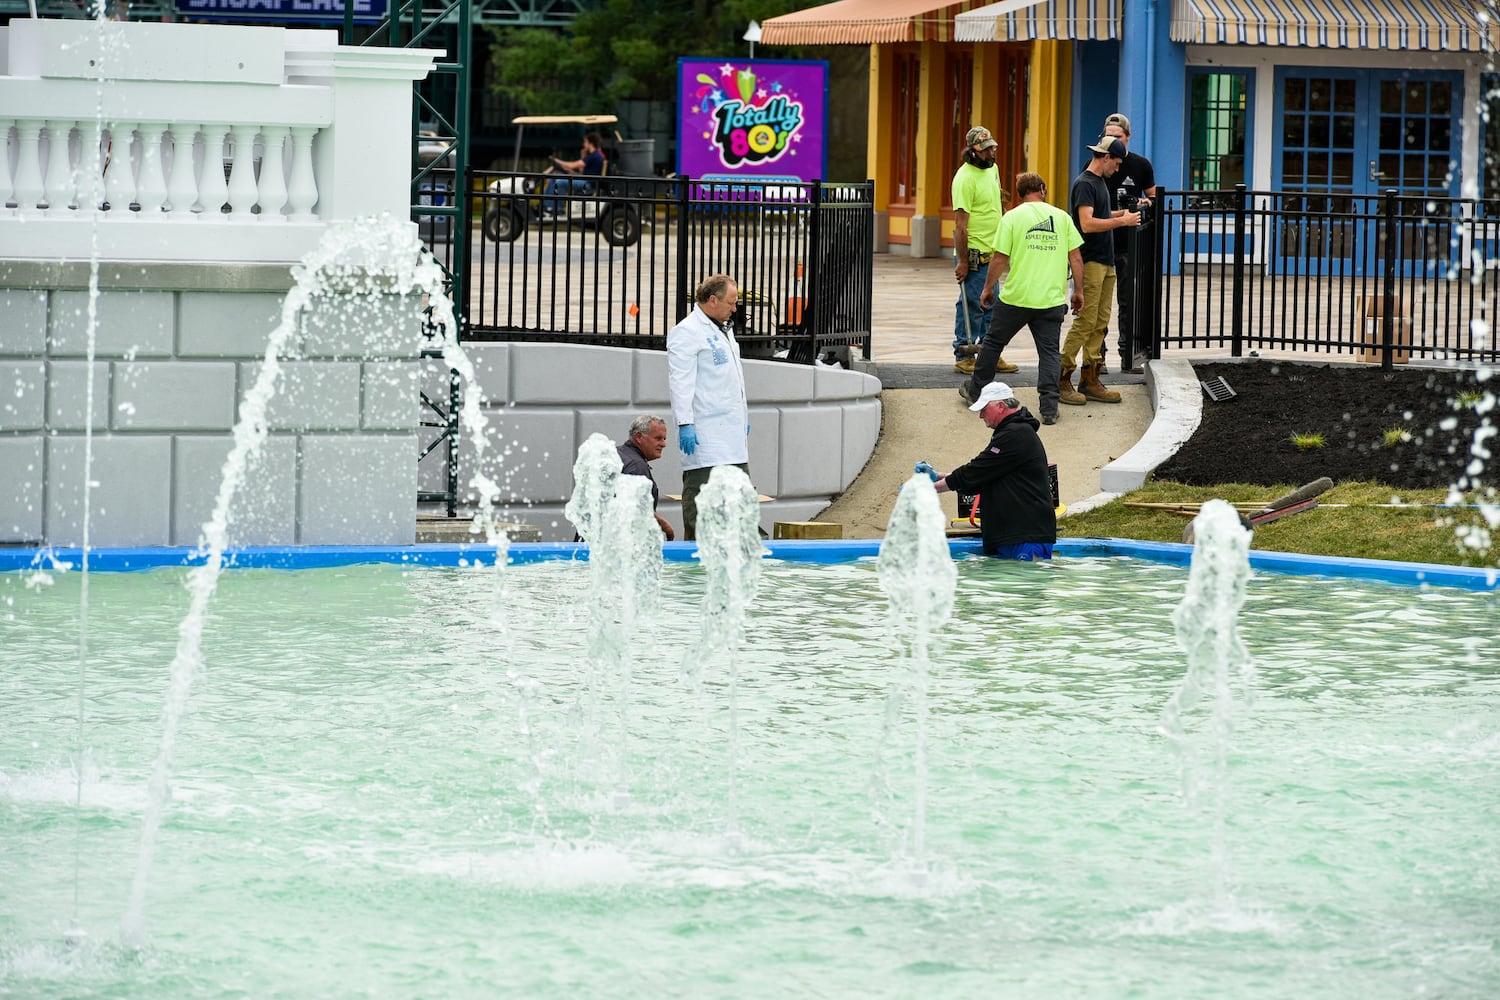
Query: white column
[[213, 193], [242, 192], [119, 175], [7, 185], [302, 193], [88, 175], [182, 185], [273, 173], [151, 191], [58, 183], [28, 184]]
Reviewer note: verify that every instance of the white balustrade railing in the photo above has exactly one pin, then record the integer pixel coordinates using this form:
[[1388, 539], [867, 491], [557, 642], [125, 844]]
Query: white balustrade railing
[[225, 130], [179, 171]]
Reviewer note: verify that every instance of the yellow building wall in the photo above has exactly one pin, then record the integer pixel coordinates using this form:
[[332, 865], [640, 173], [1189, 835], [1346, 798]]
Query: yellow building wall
[[1049, 105], [932, 190]]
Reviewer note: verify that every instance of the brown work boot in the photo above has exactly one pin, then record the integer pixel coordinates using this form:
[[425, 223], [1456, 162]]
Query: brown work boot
[[1091, 387], [1003, 367], [1066, 393], [964, 366]]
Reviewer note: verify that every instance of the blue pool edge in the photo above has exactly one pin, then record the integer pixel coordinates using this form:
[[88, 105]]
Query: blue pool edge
[[130, 559]]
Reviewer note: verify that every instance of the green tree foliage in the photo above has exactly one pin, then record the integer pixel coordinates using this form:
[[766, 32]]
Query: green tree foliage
[[623, 49]]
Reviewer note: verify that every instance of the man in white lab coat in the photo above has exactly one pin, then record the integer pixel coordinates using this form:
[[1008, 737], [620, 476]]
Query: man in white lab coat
[[707, 386]]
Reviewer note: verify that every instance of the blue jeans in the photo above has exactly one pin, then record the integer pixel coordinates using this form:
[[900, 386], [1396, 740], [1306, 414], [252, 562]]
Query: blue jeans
[[979, 319], [566, 185], [1024, 551]]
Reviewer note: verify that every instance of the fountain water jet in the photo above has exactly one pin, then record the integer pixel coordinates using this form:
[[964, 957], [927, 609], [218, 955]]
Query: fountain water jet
[[918, 577], [730, 549], [613, 515], [1207, 628], [370, 257]]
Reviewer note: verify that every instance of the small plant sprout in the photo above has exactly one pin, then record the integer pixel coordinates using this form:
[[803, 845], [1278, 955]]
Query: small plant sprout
[[1467, 399], [1393, 436], [1307, 440]]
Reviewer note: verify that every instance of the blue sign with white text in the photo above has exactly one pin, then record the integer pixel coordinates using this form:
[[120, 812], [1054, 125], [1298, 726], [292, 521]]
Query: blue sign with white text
[[281, 10]]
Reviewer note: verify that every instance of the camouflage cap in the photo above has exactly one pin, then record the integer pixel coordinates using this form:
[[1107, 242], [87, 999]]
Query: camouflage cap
[[980, 136]]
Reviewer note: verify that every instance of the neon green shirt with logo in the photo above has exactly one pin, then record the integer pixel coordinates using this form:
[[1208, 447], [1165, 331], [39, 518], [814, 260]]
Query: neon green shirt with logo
[[978, 192], [1037, 237]]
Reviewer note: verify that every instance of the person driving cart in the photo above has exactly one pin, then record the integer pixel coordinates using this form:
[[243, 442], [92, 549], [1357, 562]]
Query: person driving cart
[[589, 164]]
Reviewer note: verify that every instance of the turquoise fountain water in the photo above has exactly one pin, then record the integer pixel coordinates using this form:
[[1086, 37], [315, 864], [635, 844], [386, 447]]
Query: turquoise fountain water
[[365, 803]]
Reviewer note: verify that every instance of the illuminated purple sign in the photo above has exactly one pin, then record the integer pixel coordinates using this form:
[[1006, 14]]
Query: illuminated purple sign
[[765, 119]]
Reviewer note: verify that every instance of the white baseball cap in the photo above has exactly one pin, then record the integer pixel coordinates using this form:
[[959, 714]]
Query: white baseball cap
[[995, 392]]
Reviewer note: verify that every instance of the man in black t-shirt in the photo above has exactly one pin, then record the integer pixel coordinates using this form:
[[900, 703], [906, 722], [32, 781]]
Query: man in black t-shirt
[[1094, 214], [1135, 186]]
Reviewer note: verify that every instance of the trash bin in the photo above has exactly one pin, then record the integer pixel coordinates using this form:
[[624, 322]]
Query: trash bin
[[637, 157]]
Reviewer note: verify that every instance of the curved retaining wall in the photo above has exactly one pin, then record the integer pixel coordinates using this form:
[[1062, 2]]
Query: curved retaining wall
[[811, 429]]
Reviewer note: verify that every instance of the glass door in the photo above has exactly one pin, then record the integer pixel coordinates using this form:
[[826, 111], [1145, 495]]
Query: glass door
[[1334, 167]]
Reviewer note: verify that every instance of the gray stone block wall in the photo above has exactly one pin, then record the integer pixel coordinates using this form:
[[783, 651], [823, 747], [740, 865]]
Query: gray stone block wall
[[173, 362], [811, 429]]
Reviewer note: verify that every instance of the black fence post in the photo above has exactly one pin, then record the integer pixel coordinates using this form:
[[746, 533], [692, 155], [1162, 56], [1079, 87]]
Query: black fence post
[[869, 259], [1388, 277], [1159, 279], [684, 187], [814, 308], [1237, 305]]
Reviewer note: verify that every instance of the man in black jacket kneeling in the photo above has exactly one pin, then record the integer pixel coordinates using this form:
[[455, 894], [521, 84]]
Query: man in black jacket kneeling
[[1016, 516]]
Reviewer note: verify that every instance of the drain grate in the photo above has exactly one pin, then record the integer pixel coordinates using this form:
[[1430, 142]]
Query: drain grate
[[1218, 390]]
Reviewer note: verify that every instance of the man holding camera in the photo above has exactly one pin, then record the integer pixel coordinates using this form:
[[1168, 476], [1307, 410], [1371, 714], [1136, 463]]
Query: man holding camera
[[1094, 214], [1135, 189]]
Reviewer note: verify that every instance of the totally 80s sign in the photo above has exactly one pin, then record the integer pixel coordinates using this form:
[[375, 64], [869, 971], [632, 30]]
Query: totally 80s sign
[[765, 118]]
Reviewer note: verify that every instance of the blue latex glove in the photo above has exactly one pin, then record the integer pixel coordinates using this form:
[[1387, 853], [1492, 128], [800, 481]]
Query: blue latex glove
[[931, 472], [687, 439]]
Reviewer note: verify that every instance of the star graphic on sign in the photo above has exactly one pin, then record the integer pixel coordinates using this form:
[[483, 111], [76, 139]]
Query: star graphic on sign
[[797, 137], [726, 70], [717, 97], [775, 88], [761, 92]]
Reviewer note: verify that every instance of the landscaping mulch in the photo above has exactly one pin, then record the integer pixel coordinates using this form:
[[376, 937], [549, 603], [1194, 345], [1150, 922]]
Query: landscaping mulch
[[1249, 438]]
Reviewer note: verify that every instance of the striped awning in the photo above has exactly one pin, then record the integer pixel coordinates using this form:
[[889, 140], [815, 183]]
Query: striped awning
[[1025, 20], [1421, 25], [865, 22]]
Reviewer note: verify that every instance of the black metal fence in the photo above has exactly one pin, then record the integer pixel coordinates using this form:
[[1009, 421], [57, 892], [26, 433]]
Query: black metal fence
[[1381, 278], [616, 262]]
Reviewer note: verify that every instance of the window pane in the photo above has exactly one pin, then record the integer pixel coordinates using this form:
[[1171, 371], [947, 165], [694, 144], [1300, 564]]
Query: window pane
[[1442, 98], [1216, 133], [1390, 132], [1440, 135], [1343, 170], [1317, 132], [1294, 131], [1343, 132], [1318, 96], [1416, 98], [1343, 95], [1390, 97], [1416, 134], [1291, 168], [1296, 95], [1390, 169]]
